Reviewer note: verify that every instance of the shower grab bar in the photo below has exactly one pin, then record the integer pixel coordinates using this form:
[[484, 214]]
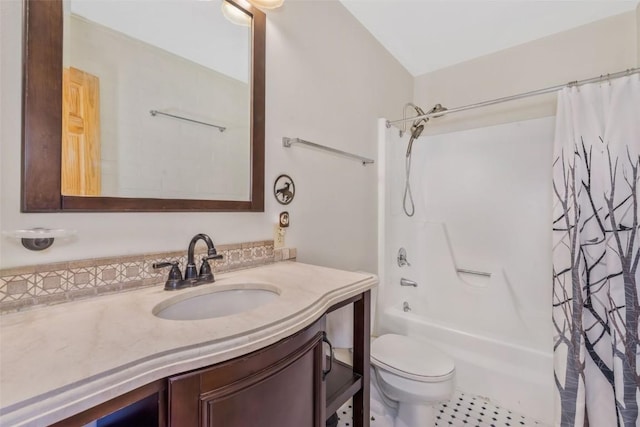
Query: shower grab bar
[[474, 272], [288, 142], [186, 119]]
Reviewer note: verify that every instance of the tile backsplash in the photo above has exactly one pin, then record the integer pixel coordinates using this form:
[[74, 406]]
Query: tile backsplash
[[25, 287]]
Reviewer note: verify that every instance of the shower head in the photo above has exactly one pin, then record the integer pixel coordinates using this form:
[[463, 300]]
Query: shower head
[[415, 134], [416, 131], [438, 108], [416, 123], [419, 111], [416, 128]]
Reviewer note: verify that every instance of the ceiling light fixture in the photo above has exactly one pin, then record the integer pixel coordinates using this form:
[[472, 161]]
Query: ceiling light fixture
[[267, 4], [235, 14]]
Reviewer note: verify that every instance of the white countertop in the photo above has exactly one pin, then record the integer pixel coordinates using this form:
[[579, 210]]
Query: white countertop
[[59, 360]]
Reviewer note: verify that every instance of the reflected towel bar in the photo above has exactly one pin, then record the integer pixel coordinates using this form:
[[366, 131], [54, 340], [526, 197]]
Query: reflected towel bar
[[156, 112], [474, 272], [288, 142]]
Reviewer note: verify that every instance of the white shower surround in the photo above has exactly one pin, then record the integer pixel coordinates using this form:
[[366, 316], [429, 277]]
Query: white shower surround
[[483, 202]]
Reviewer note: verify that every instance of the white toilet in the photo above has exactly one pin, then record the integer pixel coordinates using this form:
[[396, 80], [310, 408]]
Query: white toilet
[[412, 376]]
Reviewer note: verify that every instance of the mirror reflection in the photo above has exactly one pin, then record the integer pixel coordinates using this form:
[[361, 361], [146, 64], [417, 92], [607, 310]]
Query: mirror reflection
[[156, 100]]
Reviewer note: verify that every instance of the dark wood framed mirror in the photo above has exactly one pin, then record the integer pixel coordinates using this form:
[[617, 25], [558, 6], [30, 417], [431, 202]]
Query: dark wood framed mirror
[[42, 124]]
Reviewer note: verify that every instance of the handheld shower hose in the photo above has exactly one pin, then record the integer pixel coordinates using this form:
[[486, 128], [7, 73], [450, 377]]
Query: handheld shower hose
[[416, 130]]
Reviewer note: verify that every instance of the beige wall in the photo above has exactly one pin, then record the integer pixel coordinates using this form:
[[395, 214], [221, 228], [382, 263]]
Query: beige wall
[[327, 81], [601, 47]]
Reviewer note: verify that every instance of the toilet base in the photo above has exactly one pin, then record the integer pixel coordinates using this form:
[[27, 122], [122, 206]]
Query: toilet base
[[415, 415]]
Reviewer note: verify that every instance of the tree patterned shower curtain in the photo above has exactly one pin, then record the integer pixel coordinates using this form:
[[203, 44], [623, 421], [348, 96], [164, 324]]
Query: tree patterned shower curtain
[[596, 254]]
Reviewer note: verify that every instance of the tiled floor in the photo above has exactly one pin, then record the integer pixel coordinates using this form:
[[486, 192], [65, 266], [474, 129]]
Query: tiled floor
[[463, 410], [344, 418]]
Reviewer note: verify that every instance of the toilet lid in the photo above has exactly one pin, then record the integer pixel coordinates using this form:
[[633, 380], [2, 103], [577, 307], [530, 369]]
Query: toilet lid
[[410, 358]]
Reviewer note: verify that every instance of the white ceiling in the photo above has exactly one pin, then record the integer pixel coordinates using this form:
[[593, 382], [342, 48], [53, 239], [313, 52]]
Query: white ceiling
[[426, 35]]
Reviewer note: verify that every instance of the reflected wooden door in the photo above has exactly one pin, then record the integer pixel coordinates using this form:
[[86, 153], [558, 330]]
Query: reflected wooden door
[[80, 133]]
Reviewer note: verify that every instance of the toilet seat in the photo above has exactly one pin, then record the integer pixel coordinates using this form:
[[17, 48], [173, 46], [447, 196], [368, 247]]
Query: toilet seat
[[411, 359]]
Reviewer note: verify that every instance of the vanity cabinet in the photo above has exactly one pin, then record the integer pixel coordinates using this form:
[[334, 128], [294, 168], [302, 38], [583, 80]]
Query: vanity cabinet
[[279, 386], [292, 383]]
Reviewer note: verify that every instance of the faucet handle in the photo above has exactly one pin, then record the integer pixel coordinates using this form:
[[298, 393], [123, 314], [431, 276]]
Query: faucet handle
[[402, 257], [205, 269], [175, 275]]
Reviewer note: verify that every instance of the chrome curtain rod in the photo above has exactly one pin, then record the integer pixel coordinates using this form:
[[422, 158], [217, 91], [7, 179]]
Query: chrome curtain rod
[[156, 112], [601, 78], [288, 142]]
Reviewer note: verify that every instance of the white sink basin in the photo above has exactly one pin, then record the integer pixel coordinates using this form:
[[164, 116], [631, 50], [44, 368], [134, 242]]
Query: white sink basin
[[214, 303]]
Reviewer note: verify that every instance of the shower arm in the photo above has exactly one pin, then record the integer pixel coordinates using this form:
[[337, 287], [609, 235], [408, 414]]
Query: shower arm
[[404, 115]]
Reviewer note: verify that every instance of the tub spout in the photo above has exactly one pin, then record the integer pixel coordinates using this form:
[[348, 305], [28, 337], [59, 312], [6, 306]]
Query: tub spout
[[407, 282]]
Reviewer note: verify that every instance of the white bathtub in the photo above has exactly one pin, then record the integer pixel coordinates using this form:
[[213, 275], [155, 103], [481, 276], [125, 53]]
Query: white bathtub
[[512, 376]]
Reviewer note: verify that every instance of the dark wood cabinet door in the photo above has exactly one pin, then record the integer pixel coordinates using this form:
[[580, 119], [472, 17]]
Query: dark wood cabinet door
[[280, 386], [284, 395]]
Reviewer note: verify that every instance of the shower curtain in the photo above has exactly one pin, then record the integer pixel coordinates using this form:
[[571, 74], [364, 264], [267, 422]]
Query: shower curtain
[[596, 254]]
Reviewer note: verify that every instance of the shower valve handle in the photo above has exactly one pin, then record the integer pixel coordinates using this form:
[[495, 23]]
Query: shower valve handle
[[402, 258]]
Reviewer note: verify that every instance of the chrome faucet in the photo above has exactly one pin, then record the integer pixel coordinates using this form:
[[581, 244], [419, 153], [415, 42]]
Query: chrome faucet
[[192, 277]]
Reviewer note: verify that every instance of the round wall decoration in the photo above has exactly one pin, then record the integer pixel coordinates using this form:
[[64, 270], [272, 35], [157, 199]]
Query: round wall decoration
[[284, 189]]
